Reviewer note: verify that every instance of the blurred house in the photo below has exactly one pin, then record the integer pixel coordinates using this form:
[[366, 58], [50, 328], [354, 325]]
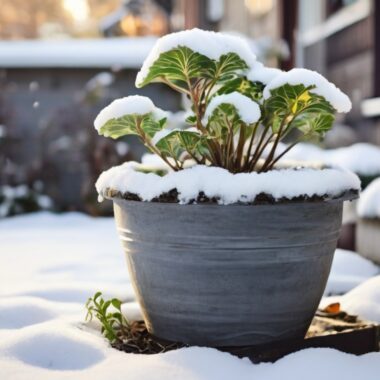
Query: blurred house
[[341, 39], [51, 92]]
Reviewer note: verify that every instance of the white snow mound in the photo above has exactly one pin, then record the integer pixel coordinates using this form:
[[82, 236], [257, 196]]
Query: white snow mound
[[369, 202], [247, 109], [46, 339], [227, 187], [211, 44], [135, 104], [260, 73], [364, 300], [349, 270], [323, 87]]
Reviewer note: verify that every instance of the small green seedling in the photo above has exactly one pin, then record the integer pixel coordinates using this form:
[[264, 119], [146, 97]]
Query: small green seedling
[[114, 325]]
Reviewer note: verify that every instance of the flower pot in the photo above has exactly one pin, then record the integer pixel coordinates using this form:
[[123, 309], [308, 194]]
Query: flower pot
[[368, 238], [207, 274]]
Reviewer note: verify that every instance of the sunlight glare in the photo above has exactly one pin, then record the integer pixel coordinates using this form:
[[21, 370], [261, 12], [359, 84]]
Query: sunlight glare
[[78, 9]]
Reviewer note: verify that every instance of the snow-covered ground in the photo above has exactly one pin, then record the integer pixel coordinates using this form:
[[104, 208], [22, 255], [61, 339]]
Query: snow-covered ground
[[51, 264]]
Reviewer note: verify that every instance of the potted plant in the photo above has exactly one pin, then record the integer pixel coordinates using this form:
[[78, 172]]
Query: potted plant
[[226, 249]]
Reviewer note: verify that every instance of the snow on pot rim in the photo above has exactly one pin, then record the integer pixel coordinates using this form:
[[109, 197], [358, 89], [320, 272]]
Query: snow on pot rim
[[369, 202], [227, 188]]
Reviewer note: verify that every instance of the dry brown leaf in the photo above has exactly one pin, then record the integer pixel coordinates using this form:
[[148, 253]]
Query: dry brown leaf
[[333, 308]]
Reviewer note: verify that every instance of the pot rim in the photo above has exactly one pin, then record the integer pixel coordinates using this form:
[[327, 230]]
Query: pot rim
[[348, 195]]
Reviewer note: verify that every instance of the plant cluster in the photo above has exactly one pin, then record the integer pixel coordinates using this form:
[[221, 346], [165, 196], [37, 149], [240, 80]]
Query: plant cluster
[[238, 117], [131, 337], [113, 322]]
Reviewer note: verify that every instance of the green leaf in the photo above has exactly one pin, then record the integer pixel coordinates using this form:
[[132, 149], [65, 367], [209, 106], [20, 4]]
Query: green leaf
[[192, 119], [116, 303], [150, 126], [223, 118], [253, 90], [179, 141], [227, 68], [314, 125], [132, 125], [169, 146], [181, 65], [119, 127], [291, 101], [178, 65]]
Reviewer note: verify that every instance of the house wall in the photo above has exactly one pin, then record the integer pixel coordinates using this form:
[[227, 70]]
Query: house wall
[[345, 57], [54, 140], [237, 17]]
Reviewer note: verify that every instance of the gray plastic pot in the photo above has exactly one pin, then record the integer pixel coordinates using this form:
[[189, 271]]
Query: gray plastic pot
[[228, 275]]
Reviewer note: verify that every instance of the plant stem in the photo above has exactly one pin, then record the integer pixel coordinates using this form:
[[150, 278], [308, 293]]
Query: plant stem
[[282, 154], [274, 146], [259, 152], [175, 87], [214, 148], [252, 139], [149, 145], [240, 146]]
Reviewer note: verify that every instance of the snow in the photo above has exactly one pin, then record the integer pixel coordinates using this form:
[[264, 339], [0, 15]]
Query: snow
[[260, 73], [363, 300], [227, 187], [128, 52], [102, 79], [154, 161], [134, 104], [248, 110], [323, 87], [66, 258], [361, 158], [211, 44], [369, 202], [348, 271]]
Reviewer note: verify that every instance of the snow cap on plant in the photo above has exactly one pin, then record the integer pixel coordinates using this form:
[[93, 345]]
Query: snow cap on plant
[[240, 109], [260, 73], [315, 82], [247, 110], [170, 53]]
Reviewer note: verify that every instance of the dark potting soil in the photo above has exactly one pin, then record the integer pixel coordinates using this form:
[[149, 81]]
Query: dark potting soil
[[140, 341], [326, 330], [261, 199]]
